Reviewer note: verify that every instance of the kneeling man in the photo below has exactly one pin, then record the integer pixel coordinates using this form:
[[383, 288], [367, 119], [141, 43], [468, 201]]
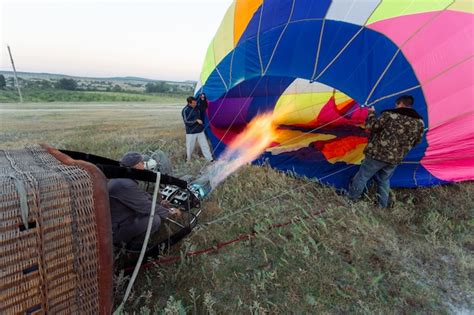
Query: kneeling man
[[130, 207]]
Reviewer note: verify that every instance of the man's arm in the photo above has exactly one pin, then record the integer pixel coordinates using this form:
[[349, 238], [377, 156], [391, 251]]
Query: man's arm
[[140, 201], [186, 119], [372, 123], [421, 131]]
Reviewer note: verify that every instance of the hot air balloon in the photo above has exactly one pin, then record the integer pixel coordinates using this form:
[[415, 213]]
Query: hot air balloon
[[317, 64]]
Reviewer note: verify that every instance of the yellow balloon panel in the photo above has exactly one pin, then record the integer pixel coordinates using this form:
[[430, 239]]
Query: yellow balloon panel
[[296, 109]]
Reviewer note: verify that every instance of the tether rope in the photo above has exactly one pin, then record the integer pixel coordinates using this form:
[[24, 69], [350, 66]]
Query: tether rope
[[144, 246], [220, 245], [241, 210]]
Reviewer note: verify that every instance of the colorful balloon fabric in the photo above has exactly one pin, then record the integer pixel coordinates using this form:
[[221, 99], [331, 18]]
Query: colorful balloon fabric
[[316, 64]]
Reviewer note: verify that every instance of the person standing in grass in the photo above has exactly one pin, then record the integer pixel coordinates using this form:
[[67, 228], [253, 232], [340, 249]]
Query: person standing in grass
[[392, 136], [202, 105], [194, 130]]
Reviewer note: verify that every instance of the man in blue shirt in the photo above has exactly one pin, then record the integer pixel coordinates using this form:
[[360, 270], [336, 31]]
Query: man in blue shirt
[[194, 130]]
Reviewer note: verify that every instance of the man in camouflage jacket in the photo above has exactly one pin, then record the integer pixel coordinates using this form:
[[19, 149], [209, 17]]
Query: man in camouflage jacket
[[392, 136]]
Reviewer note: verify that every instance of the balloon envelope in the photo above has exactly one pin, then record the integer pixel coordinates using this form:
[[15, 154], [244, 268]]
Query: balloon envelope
[[313, 63]]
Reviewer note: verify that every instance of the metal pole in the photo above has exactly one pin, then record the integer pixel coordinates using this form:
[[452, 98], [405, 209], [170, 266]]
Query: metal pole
[[16, 78]]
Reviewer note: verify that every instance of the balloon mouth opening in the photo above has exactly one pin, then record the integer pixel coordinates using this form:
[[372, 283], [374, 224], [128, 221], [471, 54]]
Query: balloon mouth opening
[[296, 101]]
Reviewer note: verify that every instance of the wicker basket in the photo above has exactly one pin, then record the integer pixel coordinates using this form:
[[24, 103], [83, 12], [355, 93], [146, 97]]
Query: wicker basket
[[55, 235]]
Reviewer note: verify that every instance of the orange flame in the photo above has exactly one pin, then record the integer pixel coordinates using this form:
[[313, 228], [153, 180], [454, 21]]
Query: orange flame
[[246, 147]]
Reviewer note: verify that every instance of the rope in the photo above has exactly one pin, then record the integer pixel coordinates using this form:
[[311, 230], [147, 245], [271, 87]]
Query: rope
[[23, 196], [279, 38], [316, 61], [423, 83], [144, 246], [431, 19], [258, 38], [241, 210], [339, 53], [21, 189]]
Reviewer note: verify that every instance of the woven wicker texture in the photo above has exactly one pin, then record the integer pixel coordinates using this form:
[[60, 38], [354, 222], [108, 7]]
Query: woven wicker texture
[[51, 266]]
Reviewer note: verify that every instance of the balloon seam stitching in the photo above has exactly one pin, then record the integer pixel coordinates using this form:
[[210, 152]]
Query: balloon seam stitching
[[258, 38], [280, 37]]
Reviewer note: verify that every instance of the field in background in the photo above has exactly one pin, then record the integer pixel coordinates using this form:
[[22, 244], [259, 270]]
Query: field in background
[[44, 87], [415, 258], [52, 95]]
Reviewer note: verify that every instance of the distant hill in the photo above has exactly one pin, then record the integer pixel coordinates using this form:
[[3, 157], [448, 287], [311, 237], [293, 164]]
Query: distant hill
[[41, 75]]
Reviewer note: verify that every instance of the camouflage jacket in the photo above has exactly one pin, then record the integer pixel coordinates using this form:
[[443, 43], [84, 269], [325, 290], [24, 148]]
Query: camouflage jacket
[[393, 134]]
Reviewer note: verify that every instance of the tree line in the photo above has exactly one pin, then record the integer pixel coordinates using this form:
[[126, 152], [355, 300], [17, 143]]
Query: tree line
[[73, 85]]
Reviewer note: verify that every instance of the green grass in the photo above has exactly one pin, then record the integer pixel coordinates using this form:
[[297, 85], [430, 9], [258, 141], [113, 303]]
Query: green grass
[[417, 257], [54, 95]]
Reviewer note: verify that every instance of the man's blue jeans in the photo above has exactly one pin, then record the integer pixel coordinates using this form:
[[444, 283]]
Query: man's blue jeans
[[381, 172]]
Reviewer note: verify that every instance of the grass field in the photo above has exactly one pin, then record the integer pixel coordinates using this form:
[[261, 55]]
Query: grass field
[[415, 258], [31, 95]]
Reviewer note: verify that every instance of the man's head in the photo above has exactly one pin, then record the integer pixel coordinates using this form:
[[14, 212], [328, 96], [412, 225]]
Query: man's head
[[191, 101], [133, 159], [405, 101]]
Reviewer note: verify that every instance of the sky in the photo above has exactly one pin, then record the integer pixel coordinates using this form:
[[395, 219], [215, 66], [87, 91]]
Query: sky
[[156, 39]]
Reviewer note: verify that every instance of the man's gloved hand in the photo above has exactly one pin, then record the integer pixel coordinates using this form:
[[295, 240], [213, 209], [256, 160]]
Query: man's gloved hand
[[166, 203], [175, 212]]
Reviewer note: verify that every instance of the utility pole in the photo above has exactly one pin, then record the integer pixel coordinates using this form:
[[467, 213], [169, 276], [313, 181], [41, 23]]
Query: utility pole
[[16, 78]]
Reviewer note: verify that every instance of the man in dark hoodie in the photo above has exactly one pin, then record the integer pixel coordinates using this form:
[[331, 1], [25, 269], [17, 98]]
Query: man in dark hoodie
[[194, 130], [392, 136]]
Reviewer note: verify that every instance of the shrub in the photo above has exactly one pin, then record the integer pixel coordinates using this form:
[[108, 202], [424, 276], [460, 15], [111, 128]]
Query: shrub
[[66, 84], [3, 83]]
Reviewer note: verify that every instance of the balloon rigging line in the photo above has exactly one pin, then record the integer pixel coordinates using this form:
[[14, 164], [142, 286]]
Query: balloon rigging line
[[315, 67], [451, 119], [222, 78], [399, 49], [258, 38], [347, 44], [279, 38], [231, 66], [423, 83], [273, 198], [144, 247], [339, 53]]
